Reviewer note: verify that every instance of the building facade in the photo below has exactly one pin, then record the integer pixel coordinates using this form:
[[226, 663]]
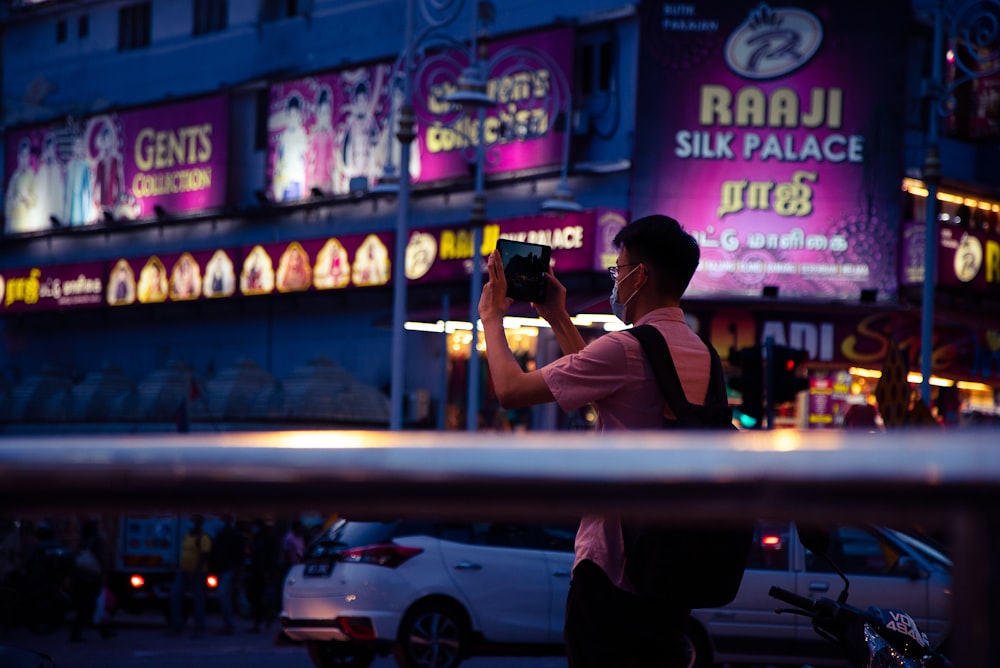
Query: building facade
[[204, 213]]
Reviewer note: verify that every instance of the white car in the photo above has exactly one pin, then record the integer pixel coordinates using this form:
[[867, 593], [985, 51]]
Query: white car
[[432, 594], [434, 591]]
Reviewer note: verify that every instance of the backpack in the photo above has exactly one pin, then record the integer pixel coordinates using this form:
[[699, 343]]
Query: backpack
[[684, 566]]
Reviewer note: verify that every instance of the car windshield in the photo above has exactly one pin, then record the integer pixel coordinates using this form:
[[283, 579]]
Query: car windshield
[[343, 534], [938, 560]]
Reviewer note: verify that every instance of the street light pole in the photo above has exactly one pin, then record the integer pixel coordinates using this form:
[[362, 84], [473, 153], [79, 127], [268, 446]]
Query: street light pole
[[406, 136], [476, 283], [470, 93], [932, 175], [973, 32]]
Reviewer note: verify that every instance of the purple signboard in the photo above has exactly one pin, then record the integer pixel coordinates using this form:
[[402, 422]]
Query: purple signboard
[[444, 254], [53, 287], [581, 241], [330, 132], [325, 130], [528, 78], [968, 347], [967, 260], [774, 135], [121, 164]]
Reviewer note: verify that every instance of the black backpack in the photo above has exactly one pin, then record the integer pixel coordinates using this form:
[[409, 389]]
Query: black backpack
[[686, 567]]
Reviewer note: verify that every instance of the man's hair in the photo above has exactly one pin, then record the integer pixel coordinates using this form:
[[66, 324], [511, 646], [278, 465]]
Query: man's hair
[[670, 253]]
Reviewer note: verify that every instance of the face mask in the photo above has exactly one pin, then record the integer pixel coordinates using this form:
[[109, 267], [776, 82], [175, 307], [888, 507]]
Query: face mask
[[619, 309]]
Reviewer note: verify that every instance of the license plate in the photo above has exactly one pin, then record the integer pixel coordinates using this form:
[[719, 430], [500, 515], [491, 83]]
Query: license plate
[[318, 570]]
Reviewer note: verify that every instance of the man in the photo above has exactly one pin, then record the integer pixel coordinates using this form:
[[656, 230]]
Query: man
[[607, 623], [228, 555], [195, 550]]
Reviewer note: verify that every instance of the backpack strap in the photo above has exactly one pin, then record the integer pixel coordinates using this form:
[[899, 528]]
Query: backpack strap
[[658, 354]]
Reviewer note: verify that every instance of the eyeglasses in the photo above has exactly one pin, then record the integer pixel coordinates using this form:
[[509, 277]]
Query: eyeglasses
[[614, 269]]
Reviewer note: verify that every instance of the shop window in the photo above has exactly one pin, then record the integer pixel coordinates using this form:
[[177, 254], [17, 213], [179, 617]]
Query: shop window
[[60, 31], [595, 62], [596, 88], [210, 16], [857, 552], [83, 26], [275, 10], [260, 124], [134, 26]]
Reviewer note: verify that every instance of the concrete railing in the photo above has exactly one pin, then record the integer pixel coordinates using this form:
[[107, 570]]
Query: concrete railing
[[948, 481]]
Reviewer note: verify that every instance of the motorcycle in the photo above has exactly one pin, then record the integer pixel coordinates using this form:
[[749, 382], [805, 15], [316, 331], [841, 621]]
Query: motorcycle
[[872, 638]]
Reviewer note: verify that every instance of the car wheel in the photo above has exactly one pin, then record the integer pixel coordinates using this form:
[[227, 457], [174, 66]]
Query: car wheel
[[698, 651], [432, 635], [337, 654]]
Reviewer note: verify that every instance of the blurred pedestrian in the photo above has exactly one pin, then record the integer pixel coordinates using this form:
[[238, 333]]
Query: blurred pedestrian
[[861, 415], [191, 574], [293, 547], [263, 574], [228, 554], [87, 581]]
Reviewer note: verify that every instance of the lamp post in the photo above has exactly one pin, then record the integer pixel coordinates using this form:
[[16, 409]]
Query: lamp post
[[405, 135], [468, 94], [472, 92], [437, 18], [974, 34]]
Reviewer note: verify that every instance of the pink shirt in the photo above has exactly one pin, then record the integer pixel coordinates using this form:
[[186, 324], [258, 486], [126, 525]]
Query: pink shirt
[[613, 373]]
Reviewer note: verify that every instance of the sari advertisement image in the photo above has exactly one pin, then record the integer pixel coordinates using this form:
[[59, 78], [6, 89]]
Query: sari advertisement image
[[773, 136], [120, 165], [330, 130]]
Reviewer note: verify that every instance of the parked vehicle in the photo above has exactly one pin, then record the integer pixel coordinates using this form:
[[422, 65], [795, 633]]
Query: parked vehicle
[[888, 568], [17, 657], [146, 558], [434, 593], [872, 638], [438, 592], [36, 595]]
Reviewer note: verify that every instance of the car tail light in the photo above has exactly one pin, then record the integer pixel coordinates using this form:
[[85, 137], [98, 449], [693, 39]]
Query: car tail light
[[357, 628], [770, 542], [211, 582], [389, 554], [137, 581]]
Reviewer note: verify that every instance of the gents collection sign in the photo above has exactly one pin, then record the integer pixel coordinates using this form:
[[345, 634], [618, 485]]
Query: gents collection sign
[[124, 165], [767, 136], [328, 131]]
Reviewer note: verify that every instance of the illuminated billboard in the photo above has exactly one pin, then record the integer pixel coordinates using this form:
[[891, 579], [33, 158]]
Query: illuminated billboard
[[331, 131], [968, 260], [773, 133], [581, 242], [121, 166]]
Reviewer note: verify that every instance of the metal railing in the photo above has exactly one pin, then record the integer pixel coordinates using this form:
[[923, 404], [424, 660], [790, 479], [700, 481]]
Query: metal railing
[[948, 481]]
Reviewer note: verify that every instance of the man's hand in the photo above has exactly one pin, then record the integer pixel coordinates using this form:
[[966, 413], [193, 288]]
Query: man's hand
[[555, 299], [494, 301]]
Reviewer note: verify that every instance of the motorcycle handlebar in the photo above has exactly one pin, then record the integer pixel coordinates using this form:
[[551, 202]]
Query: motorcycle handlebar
[[793, 599]]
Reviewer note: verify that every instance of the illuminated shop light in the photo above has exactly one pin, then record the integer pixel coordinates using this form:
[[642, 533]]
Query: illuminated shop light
[[916, 188], [608, 321], [437, 327], [916, 378], [972, 386]]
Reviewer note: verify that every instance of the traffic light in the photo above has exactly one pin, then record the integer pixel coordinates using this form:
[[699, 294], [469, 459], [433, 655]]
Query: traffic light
[[750, 383], [787, 383]]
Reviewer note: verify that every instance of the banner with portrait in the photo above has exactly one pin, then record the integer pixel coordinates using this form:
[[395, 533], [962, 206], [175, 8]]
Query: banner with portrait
[[336, 132], [117, 166]]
